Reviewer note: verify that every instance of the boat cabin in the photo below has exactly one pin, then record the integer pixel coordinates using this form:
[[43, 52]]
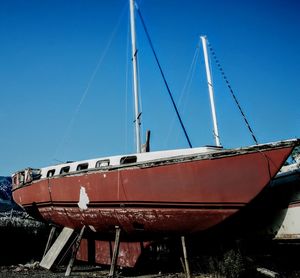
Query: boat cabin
[[25, 176], [30, 175]]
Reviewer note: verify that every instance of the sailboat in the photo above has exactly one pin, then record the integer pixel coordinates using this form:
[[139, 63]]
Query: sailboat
[[289, 176], [150, 194], [281, 205]]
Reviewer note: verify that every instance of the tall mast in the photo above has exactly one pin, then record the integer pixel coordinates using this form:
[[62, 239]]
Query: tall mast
[[211, 92], [135, 78]]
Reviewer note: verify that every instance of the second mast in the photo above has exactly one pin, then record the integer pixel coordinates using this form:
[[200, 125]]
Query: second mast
[[135, 78]]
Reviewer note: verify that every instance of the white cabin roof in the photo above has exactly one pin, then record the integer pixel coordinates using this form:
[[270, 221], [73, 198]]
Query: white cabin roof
[[115, 160]]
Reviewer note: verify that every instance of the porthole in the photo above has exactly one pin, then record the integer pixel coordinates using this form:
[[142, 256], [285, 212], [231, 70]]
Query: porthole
[[50, 173], [82, 166], [128, 159], [64, 170], [102, 163]]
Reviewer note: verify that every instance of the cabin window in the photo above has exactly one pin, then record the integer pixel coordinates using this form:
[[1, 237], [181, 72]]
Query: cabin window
[[65, 170], [15, 180], [102, 163], [128, 159], [36, 174], [82, 166], [50, 173], [21, 177], [28, 175]]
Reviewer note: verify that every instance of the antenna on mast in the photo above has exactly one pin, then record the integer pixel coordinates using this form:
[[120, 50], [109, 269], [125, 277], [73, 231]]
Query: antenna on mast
[[211, 92], [135, 78]]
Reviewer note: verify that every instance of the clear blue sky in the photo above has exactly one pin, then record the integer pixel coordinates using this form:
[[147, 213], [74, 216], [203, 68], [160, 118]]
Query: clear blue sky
[[50, 49]]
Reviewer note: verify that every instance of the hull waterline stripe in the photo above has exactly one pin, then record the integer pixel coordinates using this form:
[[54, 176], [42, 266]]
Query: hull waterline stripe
[[143, 205]]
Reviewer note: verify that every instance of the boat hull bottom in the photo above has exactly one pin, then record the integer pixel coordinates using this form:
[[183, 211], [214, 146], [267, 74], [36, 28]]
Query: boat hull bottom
[[142, 223]]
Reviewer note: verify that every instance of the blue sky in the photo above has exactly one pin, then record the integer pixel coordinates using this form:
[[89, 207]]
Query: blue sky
[[49, 51]]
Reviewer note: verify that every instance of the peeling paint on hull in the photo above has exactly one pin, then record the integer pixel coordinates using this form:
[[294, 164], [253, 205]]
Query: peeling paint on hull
[[140, 221]]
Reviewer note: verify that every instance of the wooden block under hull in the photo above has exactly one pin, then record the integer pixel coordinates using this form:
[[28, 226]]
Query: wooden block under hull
[[56, 248]]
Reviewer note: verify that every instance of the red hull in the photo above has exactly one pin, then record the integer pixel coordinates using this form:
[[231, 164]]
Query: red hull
[[171, 197], [129, 252]]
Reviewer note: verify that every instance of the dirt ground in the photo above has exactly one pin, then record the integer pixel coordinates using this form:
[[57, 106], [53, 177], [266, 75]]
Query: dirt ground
[[34, 270], [19, 271]]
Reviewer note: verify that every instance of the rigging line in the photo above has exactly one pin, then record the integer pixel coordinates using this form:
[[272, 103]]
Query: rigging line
[[192, 73], [163, 76], [104, 53], [231, 90], [186, 88]]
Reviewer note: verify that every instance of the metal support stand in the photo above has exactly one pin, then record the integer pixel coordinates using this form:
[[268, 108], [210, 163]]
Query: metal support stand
[[74, 251], [115, 253], [50, 239], [186, 263]]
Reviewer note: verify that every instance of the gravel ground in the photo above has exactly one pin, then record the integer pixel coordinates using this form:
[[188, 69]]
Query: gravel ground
[[33, 270], [19, 271]]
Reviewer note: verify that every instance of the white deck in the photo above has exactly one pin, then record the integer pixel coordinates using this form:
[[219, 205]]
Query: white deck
[[140, 157]]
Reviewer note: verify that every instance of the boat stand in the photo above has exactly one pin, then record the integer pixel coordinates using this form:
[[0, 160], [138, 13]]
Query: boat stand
[[56, 248], [74, 251], [63, 242], [186, 262], [115, 253], [50, 239]]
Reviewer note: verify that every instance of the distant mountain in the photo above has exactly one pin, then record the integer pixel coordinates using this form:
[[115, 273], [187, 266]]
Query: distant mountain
[[6, 201], [5, 188]]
